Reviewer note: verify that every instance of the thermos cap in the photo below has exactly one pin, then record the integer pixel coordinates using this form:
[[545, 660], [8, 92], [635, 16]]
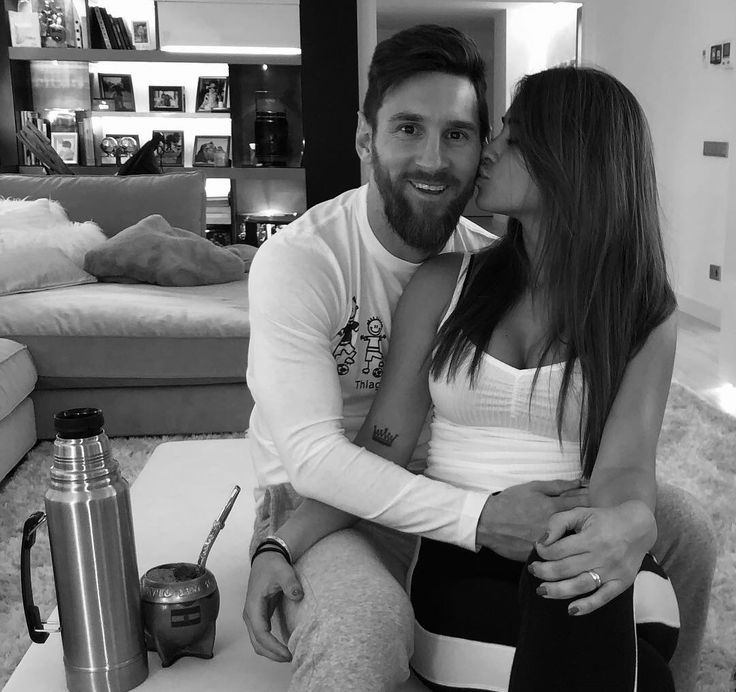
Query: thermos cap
[[75, 423]]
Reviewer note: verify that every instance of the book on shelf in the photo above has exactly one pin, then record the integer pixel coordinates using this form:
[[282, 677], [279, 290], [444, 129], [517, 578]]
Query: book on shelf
[[98, 29], [33, 117], [107, 18], [127, 38], [119, 40]]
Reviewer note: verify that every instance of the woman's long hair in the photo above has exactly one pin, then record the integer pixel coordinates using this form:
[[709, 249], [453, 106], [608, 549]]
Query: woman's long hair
[[587, 146]]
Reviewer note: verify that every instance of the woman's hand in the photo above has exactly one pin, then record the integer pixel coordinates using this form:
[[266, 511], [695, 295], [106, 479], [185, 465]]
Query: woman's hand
[[609, 541]]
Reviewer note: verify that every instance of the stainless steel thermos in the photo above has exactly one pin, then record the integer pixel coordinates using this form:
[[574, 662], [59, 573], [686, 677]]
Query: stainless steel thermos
[[93, 554]]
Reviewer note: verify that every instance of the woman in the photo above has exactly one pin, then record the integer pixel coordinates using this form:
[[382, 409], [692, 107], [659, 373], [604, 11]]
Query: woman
[[549, 355]]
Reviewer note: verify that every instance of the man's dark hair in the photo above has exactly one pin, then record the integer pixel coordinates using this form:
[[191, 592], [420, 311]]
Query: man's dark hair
[[425, 48]]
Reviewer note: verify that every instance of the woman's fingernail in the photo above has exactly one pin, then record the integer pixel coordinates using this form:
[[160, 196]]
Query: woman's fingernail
[[541, 591], [573, 610], [531, 568], [543, 539]]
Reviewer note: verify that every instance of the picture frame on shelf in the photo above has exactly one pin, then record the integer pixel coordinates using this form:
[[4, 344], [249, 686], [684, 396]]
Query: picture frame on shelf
[[108, 158], [66, 145], [141, 32], [166, 98], [211, 150], [213, 95], [173, 147], [118, 89]]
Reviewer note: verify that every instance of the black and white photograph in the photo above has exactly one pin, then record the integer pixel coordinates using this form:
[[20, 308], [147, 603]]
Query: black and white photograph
[[172, 147], [117, 88], [211, 150], [141, 33], [66, 145], [123, 146], [166, 98], [212, 94], [521, 212]]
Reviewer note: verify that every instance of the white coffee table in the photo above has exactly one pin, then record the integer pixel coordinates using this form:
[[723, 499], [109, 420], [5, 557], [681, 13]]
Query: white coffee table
[[175, 499]]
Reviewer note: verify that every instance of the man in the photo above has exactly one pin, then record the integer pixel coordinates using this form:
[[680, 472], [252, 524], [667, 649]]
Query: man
[[322, 294]]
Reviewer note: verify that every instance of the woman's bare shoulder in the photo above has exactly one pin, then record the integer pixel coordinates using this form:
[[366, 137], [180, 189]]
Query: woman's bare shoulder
[[433, 284]]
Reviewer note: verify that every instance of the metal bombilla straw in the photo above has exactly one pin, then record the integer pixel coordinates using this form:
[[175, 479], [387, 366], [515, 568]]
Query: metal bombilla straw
[[216, 528]]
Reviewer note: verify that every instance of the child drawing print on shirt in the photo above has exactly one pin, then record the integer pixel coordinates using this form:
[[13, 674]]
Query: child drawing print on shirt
[[373, 350], [344, 352]]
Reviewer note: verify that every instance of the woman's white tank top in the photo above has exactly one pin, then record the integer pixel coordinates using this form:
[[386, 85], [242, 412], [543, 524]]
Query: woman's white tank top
[[489, 437]]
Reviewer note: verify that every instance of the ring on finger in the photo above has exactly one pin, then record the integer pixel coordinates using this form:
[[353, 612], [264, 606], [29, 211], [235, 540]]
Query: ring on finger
[[596, 578]]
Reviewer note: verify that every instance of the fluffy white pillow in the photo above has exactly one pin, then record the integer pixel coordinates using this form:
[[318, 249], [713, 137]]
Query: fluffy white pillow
[[31, 213], [38, 269], [73, 239]]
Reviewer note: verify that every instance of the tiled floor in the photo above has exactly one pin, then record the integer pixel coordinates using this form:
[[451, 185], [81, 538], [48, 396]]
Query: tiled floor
[[696, 362]]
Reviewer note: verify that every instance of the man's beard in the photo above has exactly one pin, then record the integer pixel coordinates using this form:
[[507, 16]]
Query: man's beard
[[431, 228]]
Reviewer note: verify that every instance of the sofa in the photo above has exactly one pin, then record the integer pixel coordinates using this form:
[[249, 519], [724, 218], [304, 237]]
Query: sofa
[[156, 359]]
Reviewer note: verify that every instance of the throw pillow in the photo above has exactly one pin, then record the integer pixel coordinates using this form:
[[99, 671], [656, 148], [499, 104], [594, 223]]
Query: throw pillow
[[38, 269], [245, 252], [31, 213], [153, 252], [74, 239]]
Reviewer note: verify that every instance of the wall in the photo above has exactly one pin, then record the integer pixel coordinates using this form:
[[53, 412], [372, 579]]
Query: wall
[[538, 36], [686, 102]]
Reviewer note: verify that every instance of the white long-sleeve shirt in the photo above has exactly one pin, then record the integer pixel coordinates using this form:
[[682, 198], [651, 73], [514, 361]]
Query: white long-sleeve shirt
[[321, 293]]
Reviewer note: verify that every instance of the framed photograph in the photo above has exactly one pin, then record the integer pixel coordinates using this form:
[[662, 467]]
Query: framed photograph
[[166, 98], [141, 34], [212, 95], [111, 142], [172, 153], [118, 89], [211, 150], [66, 145]]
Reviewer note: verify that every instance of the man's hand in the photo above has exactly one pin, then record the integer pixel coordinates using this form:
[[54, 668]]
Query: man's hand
[[270, 577], [514, 519], [612, 541]]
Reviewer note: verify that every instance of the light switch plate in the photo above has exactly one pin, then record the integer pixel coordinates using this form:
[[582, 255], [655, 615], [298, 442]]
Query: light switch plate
[[715, 149]]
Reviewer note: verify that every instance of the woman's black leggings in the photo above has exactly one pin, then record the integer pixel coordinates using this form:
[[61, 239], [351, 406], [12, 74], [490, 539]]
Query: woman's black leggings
[[482, 609]]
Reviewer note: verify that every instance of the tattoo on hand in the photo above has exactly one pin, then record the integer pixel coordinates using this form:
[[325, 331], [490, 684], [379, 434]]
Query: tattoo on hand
[[383, 436]]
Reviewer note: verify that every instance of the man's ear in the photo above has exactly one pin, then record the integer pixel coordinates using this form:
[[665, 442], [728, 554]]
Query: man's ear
[[363, 139]]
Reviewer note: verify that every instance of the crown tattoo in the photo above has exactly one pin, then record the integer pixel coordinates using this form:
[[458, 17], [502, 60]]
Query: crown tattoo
[[383, 436]]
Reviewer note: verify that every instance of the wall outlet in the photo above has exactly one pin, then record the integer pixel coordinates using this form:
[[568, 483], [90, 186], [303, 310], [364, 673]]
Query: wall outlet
[[715, 272]]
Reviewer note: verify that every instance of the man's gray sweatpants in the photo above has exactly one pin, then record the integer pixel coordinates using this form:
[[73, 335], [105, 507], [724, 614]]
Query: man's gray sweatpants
[[353, 630]]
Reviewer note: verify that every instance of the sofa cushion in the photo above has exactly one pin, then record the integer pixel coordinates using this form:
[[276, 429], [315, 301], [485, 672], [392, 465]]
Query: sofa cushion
[[17, 375], [17, 435], [38, 269], [107, 334], [115, 203], [153, 252]]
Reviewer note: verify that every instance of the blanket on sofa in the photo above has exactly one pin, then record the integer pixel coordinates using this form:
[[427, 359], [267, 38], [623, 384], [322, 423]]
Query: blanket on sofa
[[154, 252]]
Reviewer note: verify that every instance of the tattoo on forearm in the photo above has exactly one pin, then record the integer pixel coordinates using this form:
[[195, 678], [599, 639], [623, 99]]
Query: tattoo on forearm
[[383, 436]]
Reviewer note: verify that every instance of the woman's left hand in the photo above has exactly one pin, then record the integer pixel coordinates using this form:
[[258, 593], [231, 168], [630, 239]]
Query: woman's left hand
[[606, 541]]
